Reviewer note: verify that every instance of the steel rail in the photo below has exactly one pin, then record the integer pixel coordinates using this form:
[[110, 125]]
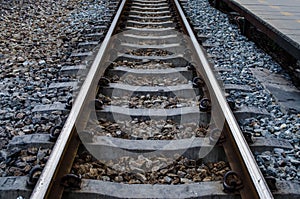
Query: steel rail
[[236, 144], [48, 185]]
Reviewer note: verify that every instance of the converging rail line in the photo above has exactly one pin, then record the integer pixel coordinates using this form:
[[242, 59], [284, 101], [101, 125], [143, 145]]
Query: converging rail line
[[154, 117]]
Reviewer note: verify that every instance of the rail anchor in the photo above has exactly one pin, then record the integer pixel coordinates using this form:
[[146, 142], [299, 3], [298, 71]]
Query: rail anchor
[[71, 181], [34, 175], [232, 182]]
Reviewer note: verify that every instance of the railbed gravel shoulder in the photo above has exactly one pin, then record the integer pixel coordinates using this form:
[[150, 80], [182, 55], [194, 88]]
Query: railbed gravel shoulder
[[231, 50], [36, 40]]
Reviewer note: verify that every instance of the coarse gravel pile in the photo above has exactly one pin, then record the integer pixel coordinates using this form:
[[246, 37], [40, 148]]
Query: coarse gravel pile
[[36, 40], [233, 51]]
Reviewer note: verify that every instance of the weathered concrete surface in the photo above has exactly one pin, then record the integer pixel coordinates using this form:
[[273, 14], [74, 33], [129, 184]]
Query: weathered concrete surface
[[287, 95]]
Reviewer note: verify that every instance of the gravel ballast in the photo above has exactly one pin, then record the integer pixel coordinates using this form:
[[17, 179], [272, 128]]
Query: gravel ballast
[[37, 39], [231, 50]]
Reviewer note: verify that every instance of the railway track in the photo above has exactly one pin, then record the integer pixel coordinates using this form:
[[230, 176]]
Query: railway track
[[150, 119]]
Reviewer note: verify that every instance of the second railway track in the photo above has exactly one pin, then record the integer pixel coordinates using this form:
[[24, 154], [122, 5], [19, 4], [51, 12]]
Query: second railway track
[[151, 120]]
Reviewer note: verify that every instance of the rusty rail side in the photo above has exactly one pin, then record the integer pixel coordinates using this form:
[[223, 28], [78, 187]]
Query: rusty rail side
[[236, 148]]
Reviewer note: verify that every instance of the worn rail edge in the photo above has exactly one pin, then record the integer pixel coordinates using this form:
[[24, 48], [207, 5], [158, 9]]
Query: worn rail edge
[[48, 185]]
